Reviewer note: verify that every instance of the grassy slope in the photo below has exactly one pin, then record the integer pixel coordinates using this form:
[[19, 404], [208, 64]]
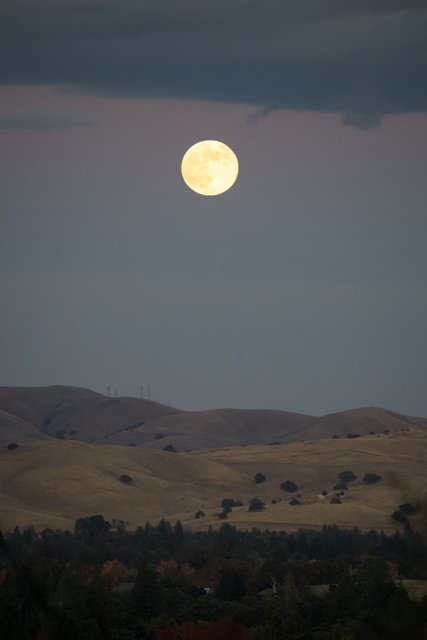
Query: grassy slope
[[40, 412], [52, 483]]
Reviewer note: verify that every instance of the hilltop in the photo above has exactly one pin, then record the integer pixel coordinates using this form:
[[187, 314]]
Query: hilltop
[[72, 413]]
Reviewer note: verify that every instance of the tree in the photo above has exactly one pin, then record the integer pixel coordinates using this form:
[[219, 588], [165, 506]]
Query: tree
[[289, 486], [232, 584], [371, 478], [347, 476], [407, 508], [199, 514], [335, 500], [399, 517], [125, 478], [169, 447], [12, 446], [259, 477], [256, 505], [92, 525], [294, 502], [147, 594], [228, 503]]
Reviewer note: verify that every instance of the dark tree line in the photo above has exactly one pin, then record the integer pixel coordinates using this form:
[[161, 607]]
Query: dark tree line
[[161, 582]]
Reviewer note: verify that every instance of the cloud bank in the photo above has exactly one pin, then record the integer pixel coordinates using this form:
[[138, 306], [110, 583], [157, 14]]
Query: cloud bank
[[361, 58]]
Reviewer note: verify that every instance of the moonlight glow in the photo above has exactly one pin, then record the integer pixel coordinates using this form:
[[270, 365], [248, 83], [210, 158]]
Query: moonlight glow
[[209, 167]]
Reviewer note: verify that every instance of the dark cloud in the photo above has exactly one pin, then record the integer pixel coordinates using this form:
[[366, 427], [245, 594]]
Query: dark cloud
[[361, 58], [38, 121]]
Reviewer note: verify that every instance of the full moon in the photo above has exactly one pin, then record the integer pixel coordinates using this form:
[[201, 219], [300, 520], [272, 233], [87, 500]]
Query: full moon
[[209, 167]]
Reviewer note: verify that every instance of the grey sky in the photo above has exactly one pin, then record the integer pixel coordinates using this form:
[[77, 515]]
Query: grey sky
[[361, 58], [302, 288]]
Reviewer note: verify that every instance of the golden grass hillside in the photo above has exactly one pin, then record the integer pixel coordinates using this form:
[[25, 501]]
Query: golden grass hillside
[[54, 482]]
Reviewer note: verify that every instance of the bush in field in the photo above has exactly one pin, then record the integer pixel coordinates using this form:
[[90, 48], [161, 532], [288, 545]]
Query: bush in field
[[256, 505], [259, 477], [371, 478], [347, 476], [289, 486]]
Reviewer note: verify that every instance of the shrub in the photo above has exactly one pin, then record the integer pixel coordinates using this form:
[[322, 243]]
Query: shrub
[[228, 503], [347, 476], [289, 486], [407, 508], [294, 502], [256, 505], [259, 477], [12, 446], [335, 437], [324, 492], [169, 447], [371, 478], [353, 435], [399, 517], [335, 500], [125, 478], [223, 515], [199, 514], [159, 436]]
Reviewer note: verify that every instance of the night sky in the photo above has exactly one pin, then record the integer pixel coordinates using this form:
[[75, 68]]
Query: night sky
[[303, 287]]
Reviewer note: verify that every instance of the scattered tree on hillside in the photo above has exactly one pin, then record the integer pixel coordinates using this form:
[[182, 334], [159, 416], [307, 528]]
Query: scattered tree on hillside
[[228, 503], [159, 436], [294, 502], [371, 478], [399, 517], [199, 514], [12, 446], [223, 515], [347, 476], [259, 477], [407, 508], [169, 447], [324, 492], [125, 478], [256, 505], [289, 486], [335, 500], [353, 435]]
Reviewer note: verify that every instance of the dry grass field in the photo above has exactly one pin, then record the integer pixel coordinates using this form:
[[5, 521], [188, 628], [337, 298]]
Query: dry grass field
[[52, 483]]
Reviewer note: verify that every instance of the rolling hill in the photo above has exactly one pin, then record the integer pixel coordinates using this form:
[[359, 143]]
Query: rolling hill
[[52, 483], [71, 413]]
